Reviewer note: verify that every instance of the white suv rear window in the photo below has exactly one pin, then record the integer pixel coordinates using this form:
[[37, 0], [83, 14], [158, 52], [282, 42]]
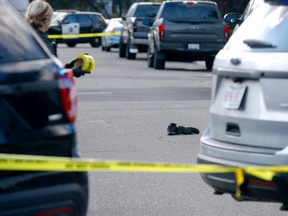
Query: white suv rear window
[[267, 24]]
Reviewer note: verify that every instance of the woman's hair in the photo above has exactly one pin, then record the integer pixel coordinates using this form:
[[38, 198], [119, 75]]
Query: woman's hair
[[37, 12]]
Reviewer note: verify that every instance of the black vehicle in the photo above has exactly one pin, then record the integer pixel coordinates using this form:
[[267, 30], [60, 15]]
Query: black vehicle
[[77, 22], [134, 36], [37, 114], [186, 31]]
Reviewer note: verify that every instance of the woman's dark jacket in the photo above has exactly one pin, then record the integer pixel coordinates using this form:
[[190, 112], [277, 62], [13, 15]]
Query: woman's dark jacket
[[49, 43]]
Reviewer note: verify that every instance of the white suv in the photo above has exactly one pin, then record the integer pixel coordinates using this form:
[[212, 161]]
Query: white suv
[[249, 110]]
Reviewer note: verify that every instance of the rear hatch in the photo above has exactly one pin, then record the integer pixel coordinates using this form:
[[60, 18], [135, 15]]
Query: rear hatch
[[192, 22], [249, 106], [143, 11]]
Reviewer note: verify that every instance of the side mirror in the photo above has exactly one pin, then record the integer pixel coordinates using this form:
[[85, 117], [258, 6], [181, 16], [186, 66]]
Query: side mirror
[[231, 18]]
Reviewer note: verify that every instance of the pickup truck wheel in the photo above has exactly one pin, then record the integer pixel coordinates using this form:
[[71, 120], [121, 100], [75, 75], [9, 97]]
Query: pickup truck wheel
[[71, 44], [209, 63], [130, 55], [96, 42], [159, 60], [150, 58], [122, 49]]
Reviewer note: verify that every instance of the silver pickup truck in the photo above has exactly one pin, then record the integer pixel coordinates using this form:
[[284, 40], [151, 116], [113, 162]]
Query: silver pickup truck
[[186, 31]]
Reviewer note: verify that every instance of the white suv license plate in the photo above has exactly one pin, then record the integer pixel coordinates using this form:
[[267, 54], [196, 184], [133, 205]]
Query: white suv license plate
[[234, 95], [194, 46]]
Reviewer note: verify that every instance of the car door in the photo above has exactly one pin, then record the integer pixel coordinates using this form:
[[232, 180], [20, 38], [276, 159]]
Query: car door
[[70, 25], [85, 23]]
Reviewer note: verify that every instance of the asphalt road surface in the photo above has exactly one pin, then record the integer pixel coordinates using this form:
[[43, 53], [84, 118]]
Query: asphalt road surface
[[124, 110]]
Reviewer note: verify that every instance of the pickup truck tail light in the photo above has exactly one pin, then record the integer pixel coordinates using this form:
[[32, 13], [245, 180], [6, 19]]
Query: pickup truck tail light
[[227, 31], [161, 29], [68, 93]]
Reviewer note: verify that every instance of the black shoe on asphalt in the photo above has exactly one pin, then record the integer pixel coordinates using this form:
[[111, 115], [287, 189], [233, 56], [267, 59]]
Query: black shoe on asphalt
[[187, 130], [173, 129]]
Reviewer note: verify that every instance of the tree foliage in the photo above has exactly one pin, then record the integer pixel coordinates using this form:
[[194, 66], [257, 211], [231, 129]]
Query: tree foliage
[[227, 6], [119, 6]]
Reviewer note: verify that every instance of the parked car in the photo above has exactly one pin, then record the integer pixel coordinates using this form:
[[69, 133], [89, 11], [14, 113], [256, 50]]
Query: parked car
[[186, 31], [111, 37], [249, 106], [236, 19], [37, 114], [77, 22], [134, 36]]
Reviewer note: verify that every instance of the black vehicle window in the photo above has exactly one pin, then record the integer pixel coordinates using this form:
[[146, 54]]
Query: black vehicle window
[[101, 19], [265, 25], [70, 19], [95, 20], [83, 19], [190, 12], [16, 41], [146, 11]]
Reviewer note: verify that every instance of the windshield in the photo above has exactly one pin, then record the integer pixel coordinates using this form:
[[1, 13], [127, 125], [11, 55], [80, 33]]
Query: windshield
[[146, 11], [58, 17], [265, 29]]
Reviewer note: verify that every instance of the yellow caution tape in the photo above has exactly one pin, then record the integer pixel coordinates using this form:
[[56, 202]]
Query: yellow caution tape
[[87, 35], [239, 180], [65, 164], [87, 62], [45, 163]]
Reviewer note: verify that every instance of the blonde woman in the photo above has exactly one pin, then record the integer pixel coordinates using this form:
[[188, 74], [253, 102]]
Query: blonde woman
[[39, 15]]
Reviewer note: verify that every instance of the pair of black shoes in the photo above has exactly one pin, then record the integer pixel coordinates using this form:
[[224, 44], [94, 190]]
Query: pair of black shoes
[[173, 129]]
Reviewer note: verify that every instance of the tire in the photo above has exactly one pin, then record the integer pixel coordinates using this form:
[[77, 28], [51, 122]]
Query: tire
[[150, 58], [129, 55], [96, 42], [71, 44], [122, 49], [159, 60], [107, 49], [209, 63]]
